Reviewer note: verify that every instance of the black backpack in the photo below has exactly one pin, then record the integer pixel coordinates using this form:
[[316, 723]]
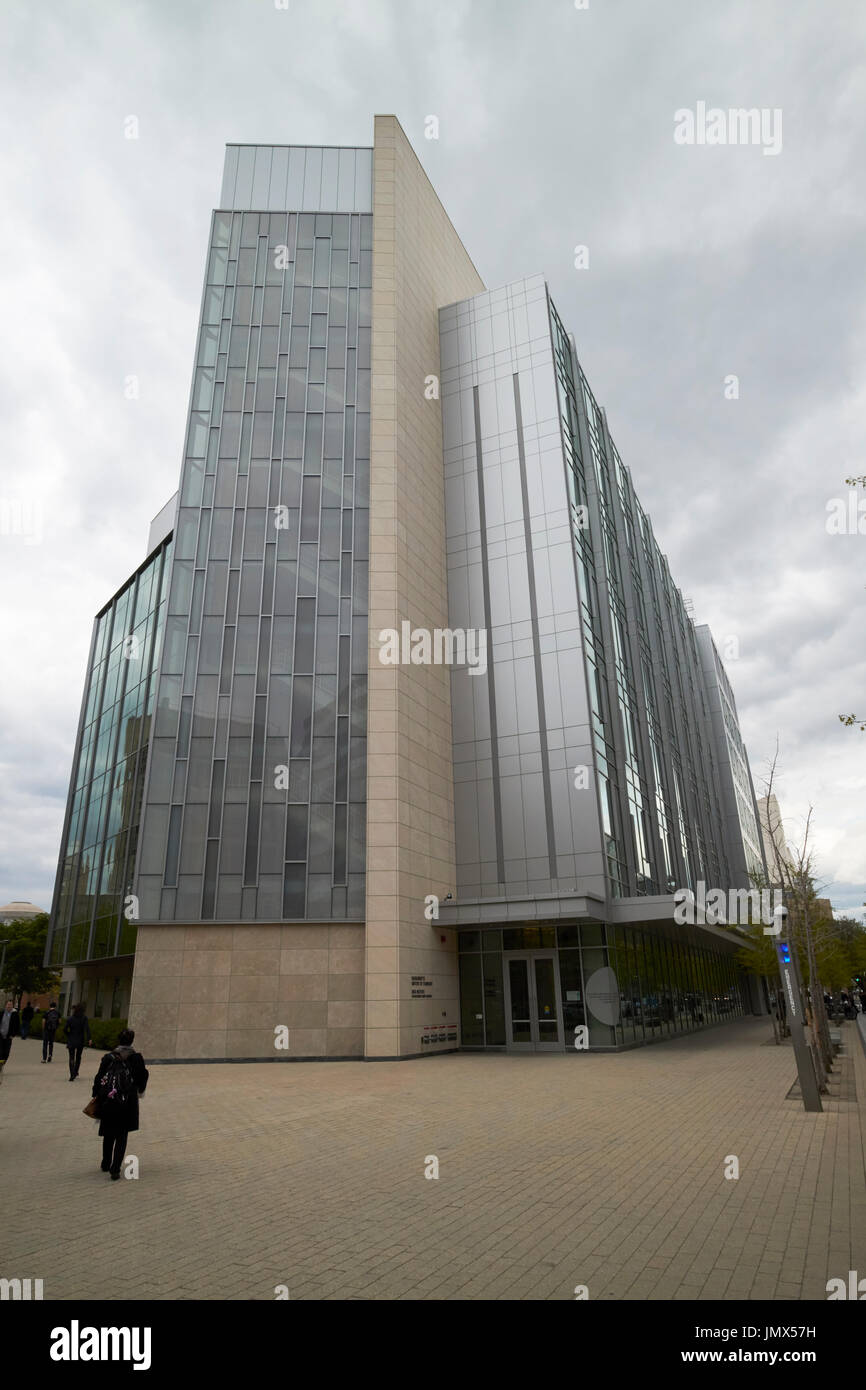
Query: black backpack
[[117, 1084], [50, 1021]]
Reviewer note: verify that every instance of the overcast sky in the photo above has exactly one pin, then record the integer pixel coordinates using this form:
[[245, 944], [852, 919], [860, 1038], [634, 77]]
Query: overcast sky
[[556, 129]]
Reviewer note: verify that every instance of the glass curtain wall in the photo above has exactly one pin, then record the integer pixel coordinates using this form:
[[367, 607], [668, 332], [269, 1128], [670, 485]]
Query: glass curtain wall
[[670, 986], [666, 986], [98, 854], [654, 765], [256, 805], [593, 642]]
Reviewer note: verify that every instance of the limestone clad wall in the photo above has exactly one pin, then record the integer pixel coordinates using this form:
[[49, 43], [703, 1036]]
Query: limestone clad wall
[[218, 990], [419, 265]]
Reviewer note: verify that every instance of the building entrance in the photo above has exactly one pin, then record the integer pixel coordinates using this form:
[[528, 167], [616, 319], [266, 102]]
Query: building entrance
[[533, 1006]]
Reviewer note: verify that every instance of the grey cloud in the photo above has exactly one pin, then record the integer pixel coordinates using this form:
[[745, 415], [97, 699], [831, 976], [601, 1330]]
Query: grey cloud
[[555, 129]]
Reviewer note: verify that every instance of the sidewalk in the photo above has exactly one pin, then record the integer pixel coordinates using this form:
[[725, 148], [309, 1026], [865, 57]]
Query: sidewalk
[[554, 1171]]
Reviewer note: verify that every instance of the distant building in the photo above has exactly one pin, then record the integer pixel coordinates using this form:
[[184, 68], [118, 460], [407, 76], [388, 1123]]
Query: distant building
[[773, 836], [18, 911]]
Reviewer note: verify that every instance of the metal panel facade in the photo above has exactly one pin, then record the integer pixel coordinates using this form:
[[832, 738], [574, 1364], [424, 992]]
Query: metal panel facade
[[584, 759], [522, 728], [302, 178]]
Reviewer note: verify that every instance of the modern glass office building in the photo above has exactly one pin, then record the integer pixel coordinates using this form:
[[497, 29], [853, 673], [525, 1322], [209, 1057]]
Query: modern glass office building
[[303, 848]]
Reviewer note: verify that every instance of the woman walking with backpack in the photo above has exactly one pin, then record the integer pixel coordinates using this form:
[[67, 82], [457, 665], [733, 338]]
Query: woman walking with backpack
[[121, 1079]]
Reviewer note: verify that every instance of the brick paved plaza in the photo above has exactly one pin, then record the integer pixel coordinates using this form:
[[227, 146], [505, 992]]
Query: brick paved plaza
[[554, 1171]]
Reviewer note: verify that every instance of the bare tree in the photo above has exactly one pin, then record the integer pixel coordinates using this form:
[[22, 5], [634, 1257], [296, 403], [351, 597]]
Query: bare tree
[[793, 873], [760, 959]]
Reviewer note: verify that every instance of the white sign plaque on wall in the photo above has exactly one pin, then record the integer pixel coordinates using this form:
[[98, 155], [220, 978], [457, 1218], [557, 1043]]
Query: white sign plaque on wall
[[602, 995]]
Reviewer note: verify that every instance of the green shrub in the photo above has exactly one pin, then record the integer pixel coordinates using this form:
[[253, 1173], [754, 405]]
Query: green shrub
[[104, 1031]]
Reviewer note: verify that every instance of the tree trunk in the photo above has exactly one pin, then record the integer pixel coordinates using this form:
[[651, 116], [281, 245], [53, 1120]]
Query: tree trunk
[[815, 1041], [820, 1030], [771, 1010]]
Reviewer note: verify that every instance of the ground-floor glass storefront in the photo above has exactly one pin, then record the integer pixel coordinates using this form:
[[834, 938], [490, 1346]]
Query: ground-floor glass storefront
[[534, 988]]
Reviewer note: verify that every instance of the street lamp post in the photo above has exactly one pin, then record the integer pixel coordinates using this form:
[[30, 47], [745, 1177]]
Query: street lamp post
[[790, 973]]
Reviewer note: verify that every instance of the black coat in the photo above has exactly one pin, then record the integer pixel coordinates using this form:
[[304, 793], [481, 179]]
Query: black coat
[[127, 1120], [77, 1030]]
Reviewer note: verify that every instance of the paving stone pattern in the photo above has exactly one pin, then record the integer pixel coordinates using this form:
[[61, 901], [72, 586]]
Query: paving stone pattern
[[554, 1171]]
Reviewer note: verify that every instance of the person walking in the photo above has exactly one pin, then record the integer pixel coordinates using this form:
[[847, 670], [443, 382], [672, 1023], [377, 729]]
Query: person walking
[[50, 1024], [77, 1035], [10, 1027], [26, 1019], [121, 1079]]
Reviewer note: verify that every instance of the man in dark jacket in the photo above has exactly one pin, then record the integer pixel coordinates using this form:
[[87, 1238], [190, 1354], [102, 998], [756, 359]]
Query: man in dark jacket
[[50, 1024], [26, 1019], [77, 1034], [121, 1079], [10, 1027]]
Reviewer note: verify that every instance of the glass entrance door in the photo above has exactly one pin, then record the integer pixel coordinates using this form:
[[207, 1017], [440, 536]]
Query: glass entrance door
[[533, 1009]]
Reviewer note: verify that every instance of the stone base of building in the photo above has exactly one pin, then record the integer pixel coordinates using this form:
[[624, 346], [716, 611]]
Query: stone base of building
[[205, 1061], [224, 992]]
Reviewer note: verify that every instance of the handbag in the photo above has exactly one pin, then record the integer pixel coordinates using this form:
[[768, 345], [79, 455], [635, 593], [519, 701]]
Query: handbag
[[92, 1108]]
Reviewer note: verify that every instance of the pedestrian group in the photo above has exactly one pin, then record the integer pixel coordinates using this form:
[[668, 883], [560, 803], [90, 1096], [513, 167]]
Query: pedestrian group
[[119, 1081]]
